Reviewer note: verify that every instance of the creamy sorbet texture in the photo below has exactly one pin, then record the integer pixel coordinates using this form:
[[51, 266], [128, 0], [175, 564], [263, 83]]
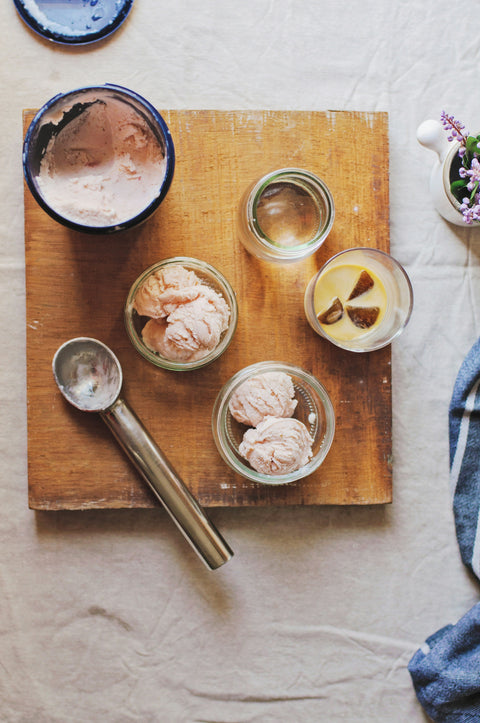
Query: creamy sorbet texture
[[187, 317], [270, 394], [275, 444], [104, 167]]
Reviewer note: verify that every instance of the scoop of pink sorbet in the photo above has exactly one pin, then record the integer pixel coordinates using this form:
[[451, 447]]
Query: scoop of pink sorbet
[[187, 317], [172, 284], [270, 394], [277, 446], [192, 327]]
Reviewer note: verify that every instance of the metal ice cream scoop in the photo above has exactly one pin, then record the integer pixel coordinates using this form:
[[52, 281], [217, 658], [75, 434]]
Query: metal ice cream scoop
[[90, 377]]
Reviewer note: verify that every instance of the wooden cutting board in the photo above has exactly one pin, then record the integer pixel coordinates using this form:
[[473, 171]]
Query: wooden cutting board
[[76, 285]]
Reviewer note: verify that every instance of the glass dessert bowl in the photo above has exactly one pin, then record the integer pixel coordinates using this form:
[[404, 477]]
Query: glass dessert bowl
[[98, 159], [360, 300], [273, 423], [285, 216], [181, 314]]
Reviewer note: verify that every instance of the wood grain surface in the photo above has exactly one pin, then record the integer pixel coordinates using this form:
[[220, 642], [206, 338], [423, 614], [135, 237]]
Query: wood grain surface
[[76, 285]]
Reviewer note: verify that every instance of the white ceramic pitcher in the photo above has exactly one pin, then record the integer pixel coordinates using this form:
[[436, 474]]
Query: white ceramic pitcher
[[432, 135]]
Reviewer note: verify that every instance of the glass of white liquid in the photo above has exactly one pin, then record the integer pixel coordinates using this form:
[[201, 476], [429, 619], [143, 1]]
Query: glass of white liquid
[[360, 300]]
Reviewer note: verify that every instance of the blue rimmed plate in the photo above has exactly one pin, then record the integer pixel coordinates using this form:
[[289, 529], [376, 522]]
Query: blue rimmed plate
[[74, 22]]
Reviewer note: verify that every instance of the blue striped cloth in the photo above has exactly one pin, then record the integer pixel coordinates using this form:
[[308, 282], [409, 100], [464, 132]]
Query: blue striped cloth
[[446, 669], [464, 428]]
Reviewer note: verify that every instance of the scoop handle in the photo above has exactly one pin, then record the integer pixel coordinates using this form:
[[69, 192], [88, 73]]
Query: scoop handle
[[166, 484]]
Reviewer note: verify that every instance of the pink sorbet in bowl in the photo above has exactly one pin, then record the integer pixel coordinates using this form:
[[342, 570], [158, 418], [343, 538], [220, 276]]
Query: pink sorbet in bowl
[[273, 423], [181, 314]]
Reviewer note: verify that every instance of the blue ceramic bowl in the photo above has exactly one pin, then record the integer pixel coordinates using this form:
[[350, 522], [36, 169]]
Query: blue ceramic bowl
[[61, 110], [75, 22]]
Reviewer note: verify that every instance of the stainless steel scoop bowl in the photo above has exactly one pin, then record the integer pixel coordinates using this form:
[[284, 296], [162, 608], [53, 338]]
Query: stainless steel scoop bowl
[[90, 377]]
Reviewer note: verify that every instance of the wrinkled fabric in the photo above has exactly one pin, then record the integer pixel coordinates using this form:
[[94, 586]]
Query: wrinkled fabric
[[446, 671], [464, 427], [108, 617]]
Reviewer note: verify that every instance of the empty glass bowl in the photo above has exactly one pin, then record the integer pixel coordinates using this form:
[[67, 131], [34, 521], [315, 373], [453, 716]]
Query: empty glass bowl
[[181, 315], [285, 216], [314, 409]]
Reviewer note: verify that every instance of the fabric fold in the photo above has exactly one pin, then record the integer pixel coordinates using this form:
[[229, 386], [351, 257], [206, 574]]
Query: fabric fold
[[446, 671], [464, 437]]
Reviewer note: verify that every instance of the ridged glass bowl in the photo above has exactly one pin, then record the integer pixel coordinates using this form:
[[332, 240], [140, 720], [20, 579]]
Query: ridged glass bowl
[[285, 216], [208, 275], [314, 408], [398, 295]]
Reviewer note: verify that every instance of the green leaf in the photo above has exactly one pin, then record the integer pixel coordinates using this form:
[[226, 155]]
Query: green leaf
[[472, 145], [474, 191], [458, 188]]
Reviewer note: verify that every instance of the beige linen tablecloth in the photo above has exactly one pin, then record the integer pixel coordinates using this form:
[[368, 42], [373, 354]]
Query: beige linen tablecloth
[[108, 617]]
